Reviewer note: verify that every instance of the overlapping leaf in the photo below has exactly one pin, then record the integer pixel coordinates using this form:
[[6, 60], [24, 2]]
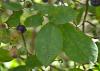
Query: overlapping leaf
[[32, 62], [14, 19], [59, 14], [34, 20], [48, 44], [78, 46]]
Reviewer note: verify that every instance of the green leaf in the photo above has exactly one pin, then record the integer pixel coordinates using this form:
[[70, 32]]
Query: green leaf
[[3, 17], [48, 44], [92, 9], [79, 16], [19, 68], [98, 44], [4, 55], [57, 14], [15, 6], [4, 35], [32, 62], [78, 46], [62, 15], [34, 20], [98, 12], [14, 20], [44, 9]]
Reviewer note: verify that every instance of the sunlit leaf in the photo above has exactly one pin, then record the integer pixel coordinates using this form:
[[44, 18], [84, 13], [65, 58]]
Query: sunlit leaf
[[34, 20]]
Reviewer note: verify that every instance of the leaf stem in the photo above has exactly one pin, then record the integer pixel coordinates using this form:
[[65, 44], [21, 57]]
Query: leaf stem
[[91, 23], [24, 43]]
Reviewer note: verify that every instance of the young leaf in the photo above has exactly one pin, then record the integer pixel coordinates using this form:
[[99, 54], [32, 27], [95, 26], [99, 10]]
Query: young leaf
[[34, 20], [78, 46], [48, 44]]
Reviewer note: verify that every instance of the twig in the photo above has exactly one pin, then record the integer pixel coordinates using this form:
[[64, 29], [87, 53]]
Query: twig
[[85, 15], [91, 23], [84, 67], [24, 43]]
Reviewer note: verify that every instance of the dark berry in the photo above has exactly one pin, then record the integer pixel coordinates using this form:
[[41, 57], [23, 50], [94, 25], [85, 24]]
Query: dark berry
[[95, 2], [45, 0], [21, 28]]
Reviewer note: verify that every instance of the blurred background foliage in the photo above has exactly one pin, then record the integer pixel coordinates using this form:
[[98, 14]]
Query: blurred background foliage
[[17, 51]]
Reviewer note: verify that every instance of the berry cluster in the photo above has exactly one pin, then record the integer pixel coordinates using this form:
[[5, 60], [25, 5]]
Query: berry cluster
[[21, 28], [95, 2]]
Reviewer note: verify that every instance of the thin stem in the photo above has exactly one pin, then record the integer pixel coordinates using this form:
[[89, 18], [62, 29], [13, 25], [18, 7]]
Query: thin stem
[[76, 26], [84, 67], [85, 15], [24, 43], [91, 23]]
